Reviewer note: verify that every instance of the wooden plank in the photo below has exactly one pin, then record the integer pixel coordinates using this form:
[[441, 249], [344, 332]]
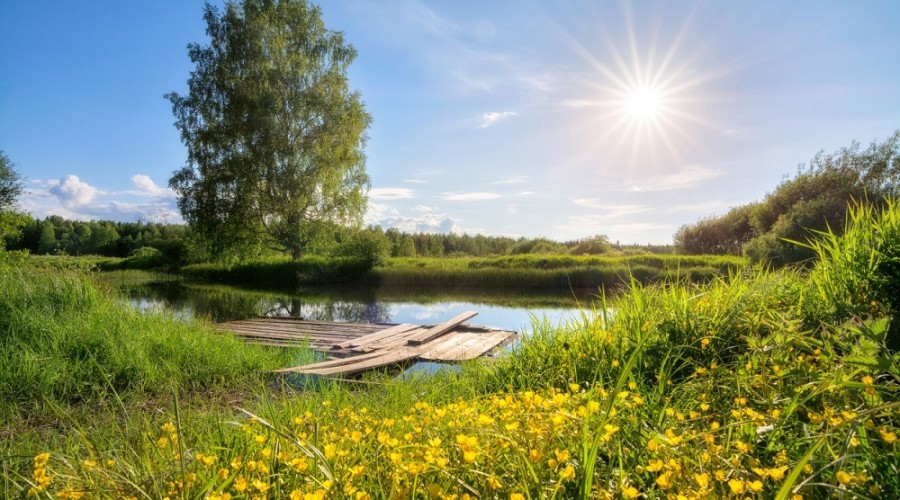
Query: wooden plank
[[393, 341], [468, 345], [372, 337], [379, 360], [334, 363], [437, 331]]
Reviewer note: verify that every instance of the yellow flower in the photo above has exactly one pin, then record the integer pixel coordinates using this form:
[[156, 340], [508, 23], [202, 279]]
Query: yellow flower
[[562, 455], [704, 343], [630, 492], [702, 480], [535, 455], [756, 486], [356, 471], [665, 480], [567, 474], [240, 484], [516, 496], [778, 472], [655, 465], [168, 427], [162, 442], [844, 477], [888, 436], [868, 380], [736, 485]]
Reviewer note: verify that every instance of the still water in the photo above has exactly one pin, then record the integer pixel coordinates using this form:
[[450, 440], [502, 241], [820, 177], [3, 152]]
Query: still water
[[505, 310]]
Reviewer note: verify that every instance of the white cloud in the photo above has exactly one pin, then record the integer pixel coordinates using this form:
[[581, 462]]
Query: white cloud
[[424, 209], [388, 217], [74, 199], [414, 181], [72, 192], [471, 196], [512, 181], [390, 193], [688, 177], [525, 193], [609, 211], [582, 225], [488, 119], [146, 187]]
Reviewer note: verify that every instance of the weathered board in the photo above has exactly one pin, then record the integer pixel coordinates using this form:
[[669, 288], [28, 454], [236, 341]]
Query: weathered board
[[357, 347]]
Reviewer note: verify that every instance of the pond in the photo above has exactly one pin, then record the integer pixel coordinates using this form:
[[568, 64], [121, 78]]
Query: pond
[[508, 310]]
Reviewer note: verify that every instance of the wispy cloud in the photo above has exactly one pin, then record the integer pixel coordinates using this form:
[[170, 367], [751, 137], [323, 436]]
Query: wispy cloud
[[390, 193], [512, 181], [415, 181], [464, 51], [488, 119], [471, 196], [687, 177], [424, 209], [609, 211]]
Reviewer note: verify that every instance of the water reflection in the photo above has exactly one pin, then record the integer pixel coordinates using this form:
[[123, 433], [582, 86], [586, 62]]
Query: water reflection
[[363, 305]]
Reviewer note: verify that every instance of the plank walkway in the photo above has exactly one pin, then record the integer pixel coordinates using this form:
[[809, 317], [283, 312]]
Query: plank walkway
[[358, 347]]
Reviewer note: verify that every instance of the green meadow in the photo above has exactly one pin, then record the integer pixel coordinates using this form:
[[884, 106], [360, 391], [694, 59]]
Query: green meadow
[[528, 271], [755, 384]]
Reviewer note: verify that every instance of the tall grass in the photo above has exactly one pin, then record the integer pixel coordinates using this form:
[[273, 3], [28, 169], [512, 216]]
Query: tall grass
[[756, 385], [63, 341]]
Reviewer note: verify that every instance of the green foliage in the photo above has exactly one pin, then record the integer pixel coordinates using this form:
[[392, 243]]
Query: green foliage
[[537, 246], [274, 133], [10, 183], [718, 235], [859, 272], [10, 188], [63, 341], [369, 246], [595, 245], [815, 200]]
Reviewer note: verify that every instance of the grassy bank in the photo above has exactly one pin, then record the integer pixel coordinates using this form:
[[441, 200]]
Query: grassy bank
[[759, 385], [561, 272], [63, 342]]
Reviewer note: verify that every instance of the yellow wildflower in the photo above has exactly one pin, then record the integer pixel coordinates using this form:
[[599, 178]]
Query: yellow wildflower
[[736, 486]]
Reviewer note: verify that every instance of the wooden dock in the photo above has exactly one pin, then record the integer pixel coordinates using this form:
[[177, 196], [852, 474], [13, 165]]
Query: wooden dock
[[357, 347]]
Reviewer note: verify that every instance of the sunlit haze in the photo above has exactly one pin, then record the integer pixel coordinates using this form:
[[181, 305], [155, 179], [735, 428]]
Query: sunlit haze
[[559, 119]]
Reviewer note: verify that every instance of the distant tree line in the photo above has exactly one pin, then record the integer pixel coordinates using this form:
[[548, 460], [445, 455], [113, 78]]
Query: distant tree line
[[56, 235], [816, 199]]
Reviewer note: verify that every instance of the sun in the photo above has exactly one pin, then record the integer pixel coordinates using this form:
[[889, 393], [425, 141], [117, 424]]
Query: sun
[[644, 103]]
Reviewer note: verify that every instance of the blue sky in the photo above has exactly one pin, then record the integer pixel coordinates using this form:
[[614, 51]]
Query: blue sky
[[560, 119]]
